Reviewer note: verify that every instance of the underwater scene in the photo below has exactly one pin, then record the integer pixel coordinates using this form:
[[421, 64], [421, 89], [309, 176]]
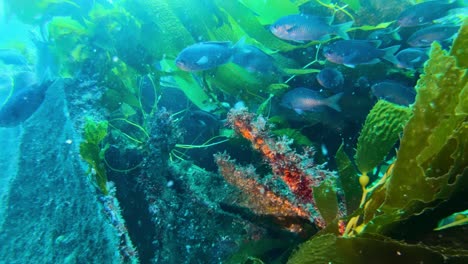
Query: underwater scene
[[234, 131]]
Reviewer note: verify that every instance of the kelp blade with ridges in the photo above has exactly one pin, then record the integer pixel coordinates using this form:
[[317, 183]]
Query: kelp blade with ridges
[[371, 249], [432, 158], [429, 172], [383, 125]]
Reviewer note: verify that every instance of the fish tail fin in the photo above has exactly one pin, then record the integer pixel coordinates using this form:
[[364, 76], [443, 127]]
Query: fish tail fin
[[341, 29], [395, 35], [333, 101], [239, 46], [389, 54]]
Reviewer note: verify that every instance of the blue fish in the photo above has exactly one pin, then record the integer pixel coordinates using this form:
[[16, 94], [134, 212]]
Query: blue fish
[[303, 27], [411, 58], [426, 12], [394, 92], [22, 104], [205, 55], [425, 36], [354, 52], [330, 78], [255, 60], [302, 99]]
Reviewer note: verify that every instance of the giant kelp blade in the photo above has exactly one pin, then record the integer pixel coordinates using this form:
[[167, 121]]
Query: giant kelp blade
[[148, 92], [332, 249], [459, 49], [325, 196], [429, 129], [92, 152], [353, 4], [165, 32], [432, 160], [383, 125], [349, 179], [246, 19], [271, 10]]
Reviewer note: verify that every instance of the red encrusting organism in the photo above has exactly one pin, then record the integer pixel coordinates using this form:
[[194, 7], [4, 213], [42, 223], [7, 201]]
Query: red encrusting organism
[[298, 171]]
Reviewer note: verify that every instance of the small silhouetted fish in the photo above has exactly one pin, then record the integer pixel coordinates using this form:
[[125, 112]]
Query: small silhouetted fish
[[22, 104], [205, 55], [386, 36], [330, 78], [411, 58], [13, 57], [394, 92], [303, 99], [302, 27], [424, 37], [205, 119], [362, 82], [255, 60], [424, 13], [354, 52], [147, 93]]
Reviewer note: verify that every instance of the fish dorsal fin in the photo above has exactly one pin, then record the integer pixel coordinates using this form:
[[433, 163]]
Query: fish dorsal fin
[[328, 20], [219, 43], [375, 43]]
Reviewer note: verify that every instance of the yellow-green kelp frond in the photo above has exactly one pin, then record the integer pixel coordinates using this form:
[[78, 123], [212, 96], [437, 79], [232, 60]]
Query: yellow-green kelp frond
[[92, 152], [432, 159], [428, 179], [370, 249], [380, 132]]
